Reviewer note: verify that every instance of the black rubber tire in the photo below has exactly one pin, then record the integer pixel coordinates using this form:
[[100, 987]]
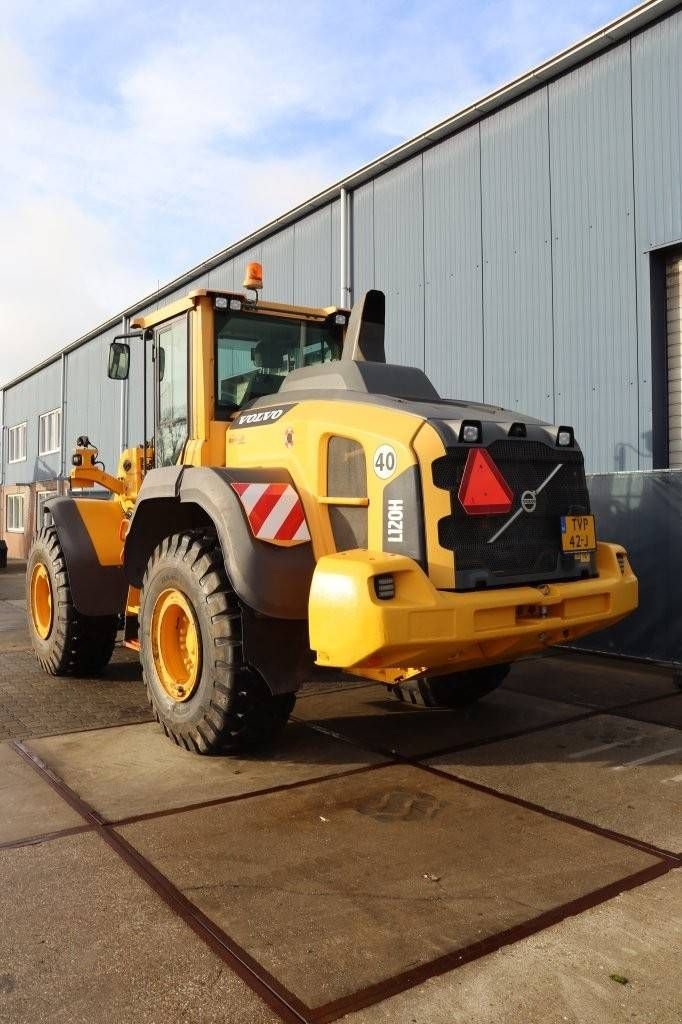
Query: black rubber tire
[[77, 645], [231, 709], [455, 690]]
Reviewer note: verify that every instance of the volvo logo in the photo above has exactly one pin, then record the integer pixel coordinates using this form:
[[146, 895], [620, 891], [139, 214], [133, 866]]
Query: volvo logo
[[529, 501]]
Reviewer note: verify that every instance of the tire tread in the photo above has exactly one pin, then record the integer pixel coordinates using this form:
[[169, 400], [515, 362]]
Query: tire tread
[[79, 645], [241, 713]]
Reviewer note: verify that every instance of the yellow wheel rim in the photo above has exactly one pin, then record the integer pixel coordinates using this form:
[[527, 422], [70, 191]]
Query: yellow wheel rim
[[41, 600], [176, 644]]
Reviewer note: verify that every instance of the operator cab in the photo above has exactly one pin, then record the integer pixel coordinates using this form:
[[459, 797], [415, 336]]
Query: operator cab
[[252, 346]]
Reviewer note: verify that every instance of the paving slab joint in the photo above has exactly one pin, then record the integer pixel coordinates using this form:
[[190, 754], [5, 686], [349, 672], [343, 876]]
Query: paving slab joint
[[45, 837], [282, 1002], [668, 856], [248, 795], [409, 979], [285, 1004]]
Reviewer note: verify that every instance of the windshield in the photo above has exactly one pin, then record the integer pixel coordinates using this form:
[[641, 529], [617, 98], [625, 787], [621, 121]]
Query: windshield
[[255, 353]]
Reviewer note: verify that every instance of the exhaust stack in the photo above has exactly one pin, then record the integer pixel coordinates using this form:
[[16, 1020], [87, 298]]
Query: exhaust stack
[[364, 340]]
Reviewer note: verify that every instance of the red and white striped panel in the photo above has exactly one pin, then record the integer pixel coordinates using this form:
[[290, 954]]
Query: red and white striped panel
[[274, 511]]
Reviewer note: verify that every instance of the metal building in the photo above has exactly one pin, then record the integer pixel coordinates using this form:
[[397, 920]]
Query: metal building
[[530, 248]]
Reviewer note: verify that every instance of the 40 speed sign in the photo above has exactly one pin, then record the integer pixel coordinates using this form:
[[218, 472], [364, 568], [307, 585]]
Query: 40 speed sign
[[385, 461]]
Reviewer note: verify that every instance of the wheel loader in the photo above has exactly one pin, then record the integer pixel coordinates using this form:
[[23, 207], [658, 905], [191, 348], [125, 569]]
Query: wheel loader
[[304, 506]]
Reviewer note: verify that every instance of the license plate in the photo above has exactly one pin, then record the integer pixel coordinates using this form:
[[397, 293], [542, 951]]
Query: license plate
[[577, 534]]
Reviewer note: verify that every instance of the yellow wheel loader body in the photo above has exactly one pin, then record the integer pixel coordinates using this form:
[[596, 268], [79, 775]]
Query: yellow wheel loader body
[[362, 522]]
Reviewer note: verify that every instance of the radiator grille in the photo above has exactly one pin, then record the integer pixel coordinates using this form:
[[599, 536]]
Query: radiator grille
[[531, 546]]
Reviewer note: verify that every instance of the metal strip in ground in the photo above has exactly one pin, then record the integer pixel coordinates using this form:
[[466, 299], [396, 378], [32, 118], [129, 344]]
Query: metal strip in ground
[[467, 745], [288, 1006], [451, 961], [519, 733], [604, 708], [282, 1002], [45, 837], [233, 798], [566, 819], [87, 728], [581, 823], [514, 735]]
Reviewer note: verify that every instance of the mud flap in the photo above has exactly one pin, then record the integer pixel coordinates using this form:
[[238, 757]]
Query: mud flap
[[279, 650], [97, 588]]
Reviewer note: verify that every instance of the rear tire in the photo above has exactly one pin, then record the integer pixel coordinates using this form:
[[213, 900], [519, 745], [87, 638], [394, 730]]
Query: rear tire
[[204, 695], [455, 690], [65, 641]]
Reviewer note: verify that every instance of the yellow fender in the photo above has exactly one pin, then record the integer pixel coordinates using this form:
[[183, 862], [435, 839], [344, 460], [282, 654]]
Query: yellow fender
[[90, 532]]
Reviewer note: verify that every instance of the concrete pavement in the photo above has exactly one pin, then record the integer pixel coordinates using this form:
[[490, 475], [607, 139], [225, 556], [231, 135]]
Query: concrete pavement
[[515, 862]]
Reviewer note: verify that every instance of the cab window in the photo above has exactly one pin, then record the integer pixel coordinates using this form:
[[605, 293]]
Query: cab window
[[255, 353], [172, 361]]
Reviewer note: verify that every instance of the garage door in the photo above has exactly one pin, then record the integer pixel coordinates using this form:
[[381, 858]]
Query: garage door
[[673, 290]]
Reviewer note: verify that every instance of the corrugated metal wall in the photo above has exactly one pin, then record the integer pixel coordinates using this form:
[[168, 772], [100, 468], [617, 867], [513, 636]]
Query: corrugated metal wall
[[657, 173], [517, 264], [93, 402], [453, 283], [26, 402], [514, 257], [594, 260], [399, 259]]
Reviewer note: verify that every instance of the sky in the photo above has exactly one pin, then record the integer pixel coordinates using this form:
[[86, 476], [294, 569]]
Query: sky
[[140, 138]]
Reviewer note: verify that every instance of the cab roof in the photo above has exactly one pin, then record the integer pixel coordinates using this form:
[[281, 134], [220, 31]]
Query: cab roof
[[315, 313]]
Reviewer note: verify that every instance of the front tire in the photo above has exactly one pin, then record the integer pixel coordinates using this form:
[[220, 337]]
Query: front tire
[[204, 695], [65, 641], [455, 690]]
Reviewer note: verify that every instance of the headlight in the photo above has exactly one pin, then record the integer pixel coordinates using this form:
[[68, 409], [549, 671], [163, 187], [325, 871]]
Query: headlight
[[384, 586]]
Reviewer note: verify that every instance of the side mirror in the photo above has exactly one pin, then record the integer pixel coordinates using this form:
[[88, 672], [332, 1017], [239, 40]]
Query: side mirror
[[119, 360]]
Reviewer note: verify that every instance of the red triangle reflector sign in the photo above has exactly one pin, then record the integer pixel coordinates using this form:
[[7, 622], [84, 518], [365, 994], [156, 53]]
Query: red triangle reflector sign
[[483, 490]]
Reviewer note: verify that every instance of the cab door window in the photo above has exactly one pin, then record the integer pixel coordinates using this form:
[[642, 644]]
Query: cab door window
[[172, 368]]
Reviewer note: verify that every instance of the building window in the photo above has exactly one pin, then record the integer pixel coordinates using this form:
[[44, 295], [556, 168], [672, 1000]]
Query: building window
[[49, 432], [41, 498], [15, 513], [16, 443]]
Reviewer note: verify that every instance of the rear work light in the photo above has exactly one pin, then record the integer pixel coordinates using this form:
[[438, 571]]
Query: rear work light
[[564, 437], [384, 586], [470, 432]]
